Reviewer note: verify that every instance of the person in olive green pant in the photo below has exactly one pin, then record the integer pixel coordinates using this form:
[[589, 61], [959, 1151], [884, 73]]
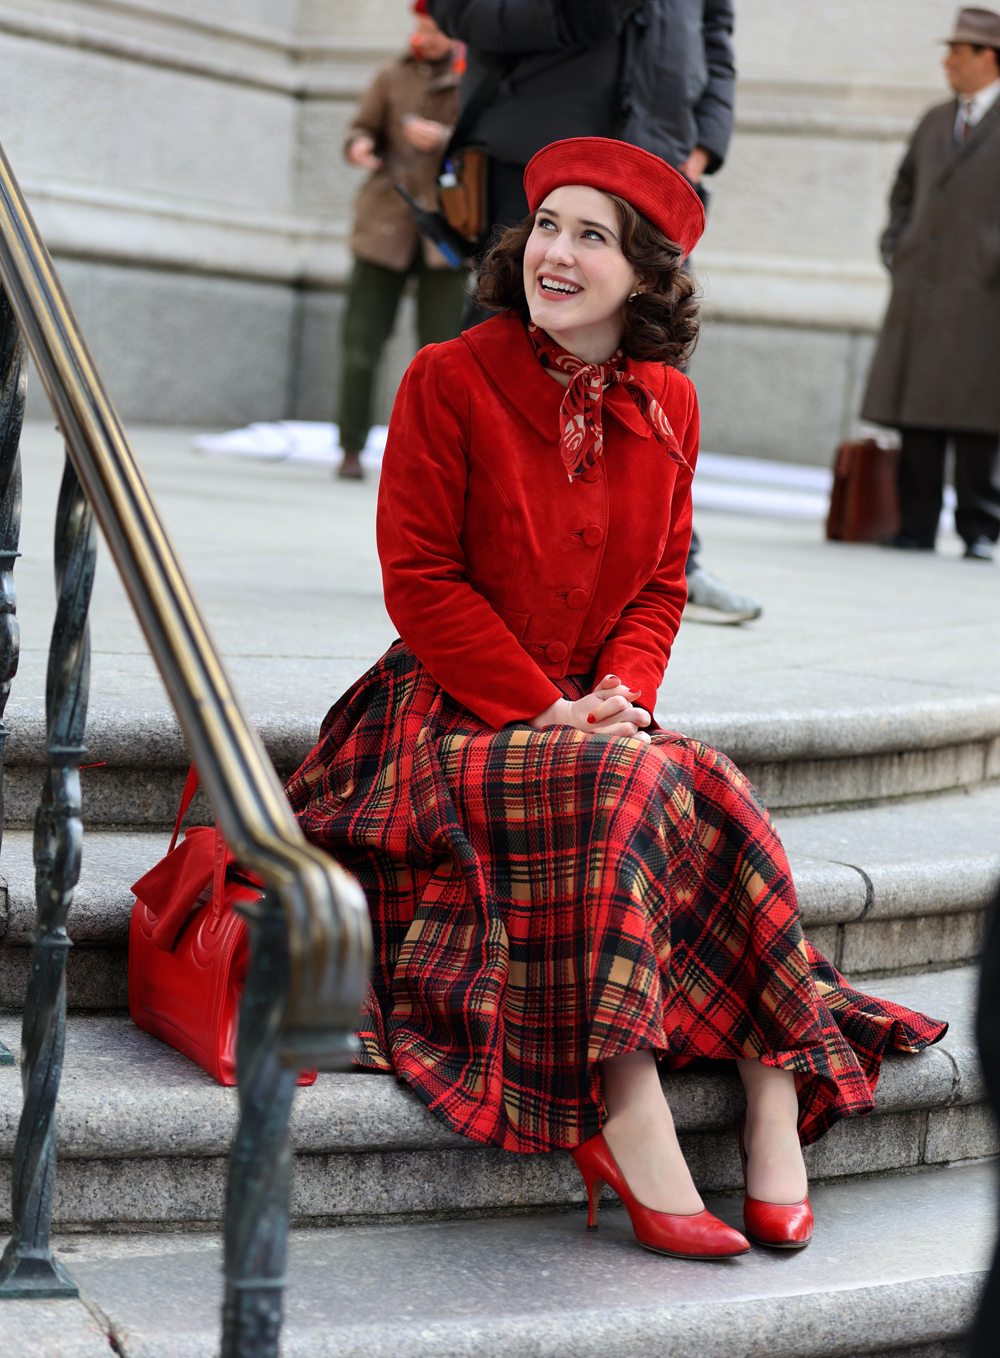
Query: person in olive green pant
[[401, 129], [372, 299]]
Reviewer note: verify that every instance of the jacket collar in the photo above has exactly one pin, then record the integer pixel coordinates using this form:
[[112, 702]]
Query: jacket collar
[[502, 348], [988, 124]]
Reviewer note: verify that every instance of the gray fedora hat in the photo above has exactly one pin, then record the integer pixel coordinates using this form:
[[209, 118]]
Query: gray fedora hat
[[981, 27]]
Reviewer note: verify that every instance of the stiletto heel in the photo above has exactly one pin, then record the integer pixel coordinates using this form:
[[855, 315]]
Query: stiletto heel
[[595, 1187], [782, 1226], [698, 1236]]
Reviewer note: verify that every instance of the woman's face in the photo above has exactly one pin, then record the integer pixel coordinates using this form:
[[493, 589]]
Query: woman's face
[[576, 278]]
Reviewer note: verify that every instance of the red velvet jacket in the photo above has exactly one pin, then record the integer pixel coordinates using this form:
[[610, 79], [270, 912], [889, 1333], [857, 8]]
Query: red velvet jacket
[[500, 574]]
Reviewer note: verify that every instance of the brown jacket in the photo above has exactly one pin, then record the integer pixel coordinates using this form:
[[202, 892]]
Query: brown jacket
[[938, 357], [384, 231]]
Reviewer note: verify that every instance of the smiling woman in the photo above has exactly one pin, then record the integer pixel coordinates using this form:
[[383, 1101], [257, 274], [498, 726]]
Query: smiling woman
[[561, 893]]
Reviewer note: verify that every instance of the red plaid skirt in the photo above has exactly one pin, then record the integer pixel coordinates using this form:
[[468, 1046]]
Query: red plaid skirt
[[543, 900]]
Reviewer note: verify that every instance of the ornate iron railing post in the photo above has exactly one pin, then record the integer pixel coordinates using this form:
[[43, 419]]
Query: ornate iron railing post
[[27, 1268], [13, 385], [260, 1160], [312, 938]]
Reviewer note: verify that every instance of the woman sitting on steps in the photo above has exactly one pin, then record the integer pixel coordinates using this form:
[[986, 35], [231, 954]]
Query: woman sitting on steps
[[562, 894]]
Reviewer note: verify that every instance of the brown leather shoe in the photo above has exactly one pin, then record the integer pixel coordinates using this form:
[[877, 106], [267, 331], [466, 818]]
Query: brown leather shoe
[[350, 468]]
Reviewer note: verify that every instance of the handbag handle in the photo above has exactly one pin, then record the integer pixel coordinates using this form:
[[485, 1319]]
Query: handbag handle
[[218, 880], [221, 849], [187, 797]]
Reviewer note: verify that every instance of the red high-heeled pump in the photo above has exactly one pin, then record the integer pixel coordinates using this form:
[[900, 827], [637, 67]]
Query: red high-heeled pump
[[699, 1236], [782, 1226]]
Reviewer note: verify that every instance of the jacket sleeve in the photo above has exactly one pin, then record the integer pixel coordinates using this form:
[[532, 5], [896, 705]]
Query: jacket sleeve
[[505, 27], [638, 648], [451, 629], [714, 110], [371, 113], [900, 206]]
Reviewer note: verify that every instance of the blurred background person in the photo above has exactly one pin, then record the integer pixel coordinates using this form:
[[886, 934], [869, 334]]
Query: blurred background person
[[936, 372], [399, 133], [657, 73]]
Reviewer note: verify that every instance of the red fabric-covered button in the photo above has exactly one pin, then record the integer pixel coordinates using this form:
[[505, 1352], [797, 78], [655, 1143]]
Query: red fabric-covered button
[[578, 598], [593, 535], [556, 651], [593, 473]]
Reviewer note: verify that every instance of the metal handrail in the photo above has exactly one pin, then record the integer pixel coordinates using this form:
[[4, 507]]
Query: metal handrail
[[324, 909]]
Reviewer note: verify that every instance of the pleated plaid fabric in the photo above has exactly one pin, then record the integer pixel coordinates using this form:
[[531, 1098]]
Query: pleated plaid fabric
[[543, 900]]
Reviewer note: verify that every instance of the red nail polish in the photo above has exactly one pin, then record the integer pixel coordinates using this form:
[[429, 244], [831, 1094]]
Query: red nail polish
[[591, 718]]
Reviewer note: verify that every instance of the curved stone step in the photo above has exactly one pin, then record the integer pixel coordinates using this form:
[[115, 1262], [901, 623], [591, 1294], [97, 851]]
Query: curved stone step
[[884, 890], [895, 1268], [143, 1133], [817, 758], [922, 874], [841, 753]]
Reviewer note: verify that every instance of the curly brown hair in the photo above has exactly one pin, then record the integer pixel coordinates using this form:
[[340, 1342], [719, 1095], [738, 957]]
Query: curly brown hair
[[661, 323]]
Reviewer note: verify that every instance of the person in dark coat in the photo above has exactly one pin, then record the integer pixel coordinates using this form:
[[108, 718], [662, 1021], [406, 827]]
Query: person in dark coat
[[935, 372], [657, 73]]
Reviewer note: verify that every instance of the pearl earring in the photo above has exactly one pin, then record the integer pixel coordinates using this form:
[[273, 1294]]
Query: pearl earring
[[632, 294]]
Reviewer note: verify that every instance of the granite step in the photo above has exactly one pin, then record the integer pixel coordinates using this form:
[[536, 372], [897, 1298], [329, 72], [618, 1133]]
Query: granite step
[[895, 1268], [916, 878], [833, 756], [143, 1133], [884, 890]]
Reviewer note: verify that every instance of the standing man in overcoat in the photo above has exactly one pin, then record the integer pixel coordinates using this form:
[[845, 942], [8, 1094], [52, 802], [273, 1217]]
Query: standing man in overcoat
[[936, 372]]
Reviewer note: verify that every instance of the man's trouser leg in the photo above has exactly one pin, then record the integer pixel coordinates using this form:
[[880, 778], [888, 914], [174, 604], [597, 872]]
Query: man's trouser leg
[[441, 300], [692, 557], [373, 295], [921, 483], [977, 486]]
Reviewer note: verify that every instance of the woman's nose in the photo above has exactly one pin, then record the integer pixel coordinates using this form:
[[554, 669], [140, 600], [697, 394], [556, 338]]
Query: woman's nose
[[560, 250]]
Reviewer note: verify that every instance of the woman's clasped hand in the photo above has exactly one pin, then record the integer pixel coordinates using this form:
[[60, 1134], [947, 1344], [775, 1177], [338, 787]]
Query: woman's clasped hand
[[609, 711]]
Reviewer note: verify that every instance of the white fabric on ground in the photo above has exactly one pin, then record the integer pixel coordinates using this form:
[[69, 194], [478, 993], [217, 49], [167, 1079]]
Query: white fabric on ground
[[736, 485], [291, 441]]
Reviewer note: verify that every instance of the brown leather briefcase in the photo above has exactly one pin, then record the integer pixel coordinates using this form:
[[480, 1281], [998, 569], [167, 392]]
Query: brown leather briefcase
[[864, 501]]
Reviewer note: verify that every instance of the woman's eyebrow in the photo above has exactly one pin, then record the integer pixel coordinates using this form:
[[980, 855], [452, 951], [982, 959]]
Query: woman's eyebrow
[[600, 226], [552, 212]]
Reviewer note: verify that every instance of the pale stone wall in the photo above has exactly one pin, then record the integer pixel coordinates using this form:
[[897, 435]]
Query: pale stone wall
[[183, 162]]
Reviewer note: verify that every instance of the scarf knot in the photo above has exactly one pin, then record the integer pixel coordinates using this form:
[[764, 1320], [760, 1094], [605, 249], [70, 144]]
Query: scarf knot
[[581, 427]]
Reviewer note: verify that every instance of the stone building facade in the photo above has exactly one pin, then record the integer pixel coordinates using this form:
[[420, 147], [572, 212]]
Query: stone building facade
[[183, 163]]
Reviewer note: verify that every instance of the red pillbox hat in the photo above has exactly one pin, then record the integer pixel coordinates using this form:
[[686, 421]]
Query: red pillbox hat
[[420, 6], [652, 187]]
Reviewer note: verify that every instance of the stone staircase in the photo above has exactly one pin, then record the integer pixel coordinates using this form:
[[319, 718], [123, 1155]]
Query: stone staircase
[[893, 884]]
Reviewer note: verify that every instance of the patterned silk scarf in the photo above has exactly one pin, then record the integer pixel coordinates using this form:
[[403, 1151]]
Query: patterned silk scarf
[[581, 430]]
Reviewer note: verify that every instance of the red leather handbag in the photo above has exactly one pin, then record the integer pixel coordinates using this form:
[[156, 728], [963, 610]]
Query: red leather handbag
[[188, 948]]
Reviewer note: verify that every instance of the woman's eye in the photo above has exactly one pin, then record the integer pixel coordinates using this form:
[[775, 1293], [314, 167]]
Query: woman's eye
[[545, 224], [593, 235]]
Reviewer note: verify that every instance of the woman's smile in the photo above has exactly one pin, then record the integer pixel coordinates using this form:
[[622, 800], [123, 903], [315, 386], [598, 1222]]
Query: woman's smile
[[556, 287]]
